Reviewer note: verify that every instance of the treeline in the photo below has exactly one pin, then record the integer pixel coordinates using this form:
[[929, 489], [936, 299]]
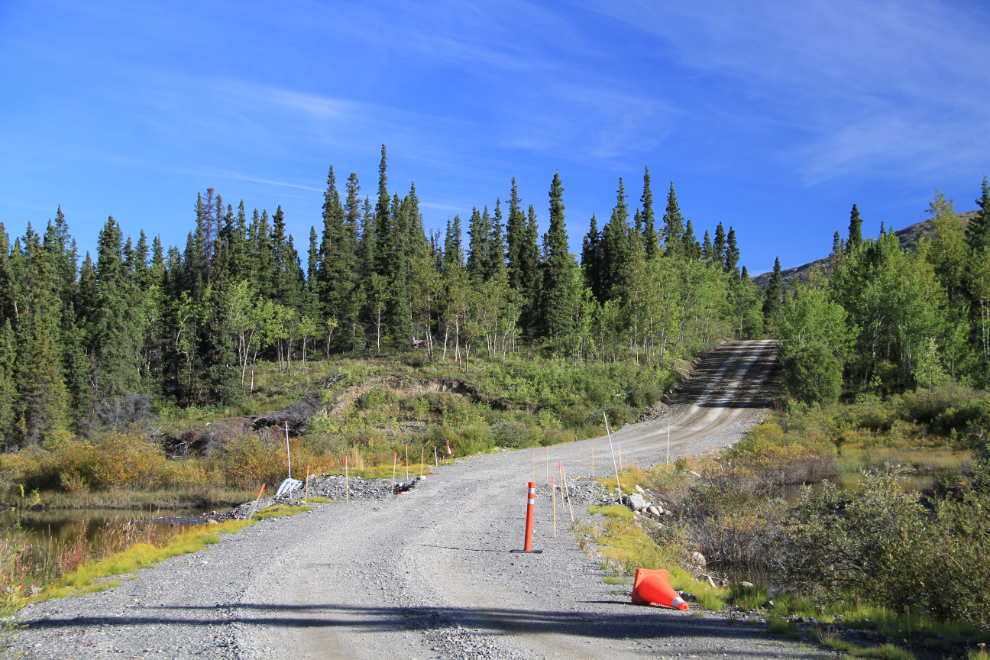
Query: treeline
[[882, 319], [89, 346]]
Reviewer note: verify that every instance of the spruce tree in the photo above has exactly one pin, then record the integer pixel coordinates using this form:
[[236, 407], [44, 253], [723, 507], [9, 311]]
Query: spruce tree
[[337, 272], [515, 234], [117, 333], [495, 267], [558, 278], [591, 260], [43, 402], [263, 262], [673, 225], [479, 231], [532, 278], [978, 230], [8, 386], [855, 230], [707, 249], [732, 255], [650, 233], [217, 348], [616, 249], [718, 246], [771, 304], [453, 253], [692, 249]]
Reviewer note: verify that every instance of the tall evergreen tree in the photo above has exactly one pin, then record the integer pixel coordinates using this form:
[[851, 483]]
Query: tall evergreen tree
[[855, 230], [337, 273], [515, 234], [692, 249], [707, 249], [771, 304], [978, 230], [495, 267], [117, 332], [532, 279], [453, 253], [673, 225], [591, 260], [43, 400], [732, 255], [616, 249], [558, 278], [719, 246], [479, 231], [650, 233], [217, 349]]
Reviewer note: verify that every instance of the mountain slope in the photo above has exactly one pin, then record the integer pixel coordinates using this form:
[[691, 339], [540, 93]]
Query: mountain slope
[[909, 237]]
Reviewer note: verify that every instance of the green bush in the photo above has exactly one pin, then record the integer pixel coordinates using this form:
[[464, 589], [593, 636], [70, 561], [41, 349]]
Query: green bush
[[509, 433], [812, 374]]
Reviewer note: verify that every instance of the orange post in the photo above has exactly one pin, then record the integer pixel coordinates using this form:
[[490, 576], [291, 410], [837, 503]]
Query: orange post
[[260, 492], [530, 507]]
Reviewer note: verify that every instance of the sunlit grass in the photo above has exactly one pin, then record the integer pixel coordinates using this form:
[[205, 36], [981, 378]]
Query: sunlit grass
[[884, 651]]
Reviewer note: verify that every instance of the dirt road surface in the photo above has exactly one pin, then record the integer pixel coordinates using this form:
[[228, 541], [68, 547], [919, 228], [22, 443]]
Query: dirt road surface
[[428, 573]]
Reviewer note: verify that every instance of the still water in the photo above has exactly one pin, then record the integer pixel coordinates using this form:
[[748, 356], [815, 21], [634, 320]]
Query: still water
[[63, 527]]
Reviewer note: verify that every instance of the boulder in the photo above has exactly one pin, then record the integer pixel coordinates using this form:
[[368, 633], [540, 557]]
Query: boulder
[[704, 577], [637, 502], [640, 490], [697, 559], [653, 511], [746, 585]]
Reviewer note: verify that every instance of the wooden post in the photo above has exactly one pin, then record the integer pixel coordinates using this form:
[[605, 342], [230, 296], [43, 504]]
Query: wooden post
[[395, 460], [407, 462], [347, 485], [422, 460], [306, 495], [554, 493], [288, 456], [616, 467], [567, 491]]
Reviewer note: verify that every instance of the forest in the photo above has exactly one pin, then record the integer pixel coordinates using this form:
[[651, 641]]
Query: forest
[[146, 328]]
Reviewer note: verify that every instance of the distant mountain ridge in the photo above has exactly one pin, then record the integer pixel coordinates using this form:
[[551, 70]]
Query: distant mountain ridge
[[909, 237]]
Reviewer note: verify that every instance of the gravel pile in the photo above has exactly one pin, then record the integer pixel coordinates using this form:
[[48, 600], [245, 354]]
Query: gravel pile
[[331, 488]]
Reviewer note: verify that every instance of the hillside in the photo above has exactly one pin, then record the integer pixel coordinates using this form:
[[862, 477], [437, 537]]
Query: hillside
[[909, 237]]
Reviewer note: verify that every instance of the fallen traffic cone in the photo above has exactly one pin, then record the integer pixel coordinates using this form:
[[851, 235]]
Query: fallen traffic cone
[[653, 588]]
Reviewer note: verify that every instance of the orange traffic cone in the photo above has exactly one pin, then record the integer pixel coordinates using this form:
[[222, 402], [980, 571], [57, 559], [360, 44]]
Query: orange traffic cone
[[653, 588]]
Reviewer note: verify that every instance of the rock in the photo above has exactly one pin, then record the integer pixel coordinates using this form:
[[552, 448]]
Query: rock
[[694, 474], [698, 559], [640, 490], [654, 511], [668, 512], [636, 502], [747, 585], [704, 577], [768, 605]]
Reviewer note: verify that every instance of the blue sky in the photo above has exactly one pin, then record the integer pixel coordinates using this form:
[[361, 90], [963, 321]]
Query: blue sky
[[771, 117]]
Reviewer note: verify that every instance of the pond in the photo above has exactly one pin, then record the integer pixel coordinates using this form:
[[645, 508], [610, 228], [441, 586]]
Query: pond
[[64, 527]]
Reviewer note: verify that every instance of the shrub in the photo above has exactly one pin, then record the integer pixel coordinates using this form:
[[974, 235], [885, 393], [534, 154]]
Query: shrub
[[509, 433]]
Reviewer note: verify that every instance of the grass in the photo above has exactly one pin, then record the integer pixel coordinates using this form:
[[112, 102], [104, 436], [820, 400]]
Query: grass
[[623, 542], [884, 651], [318, 500], [280, 511], [92, 575]]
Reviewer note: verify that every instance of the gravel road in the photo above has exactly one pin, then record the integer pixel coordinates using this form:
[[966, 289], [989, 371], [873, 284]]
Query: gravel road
[[427, 573]]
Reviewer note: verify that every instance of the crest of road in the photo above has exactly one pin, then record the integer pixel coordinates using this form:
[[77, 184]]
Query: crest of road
[[428, 573]]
